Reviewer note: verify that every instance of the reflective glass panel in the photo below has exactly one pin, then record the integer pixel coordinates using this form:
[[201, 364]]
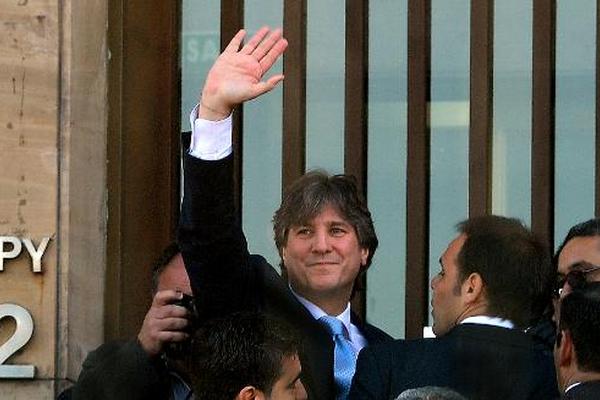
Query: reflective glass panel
[[200, 46], [325, 60], [575, 113], [387, 163], [262, 144], [511, 166], [449, 123]]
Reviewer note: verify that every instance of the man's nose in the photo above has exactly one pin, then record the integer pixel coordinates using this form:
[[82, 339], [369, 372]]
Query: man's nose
[[321, 242], [433, 282]]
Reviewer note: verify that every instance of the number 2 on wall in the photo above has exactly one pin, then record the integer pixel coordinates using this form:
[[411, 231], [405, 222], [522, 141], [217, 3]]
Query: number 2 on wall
[[19, 339]]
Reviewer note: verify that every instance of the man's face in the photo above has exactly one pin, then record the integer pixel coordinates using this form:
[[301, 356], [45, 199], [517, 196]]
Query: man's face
[[289, 386], [583, 248], [323, 257], [447, 301], [175, 277]]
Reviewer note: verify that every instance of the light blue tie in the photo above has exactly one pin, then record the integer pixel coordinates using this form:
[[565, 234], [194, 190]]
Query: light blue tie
[[344, 356]]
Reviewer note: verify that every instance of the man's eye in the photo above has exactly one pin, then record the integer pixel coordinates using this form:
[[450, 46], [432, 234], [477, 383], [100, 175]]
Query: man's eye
[[442, 272], [302, 231], [337, 231]]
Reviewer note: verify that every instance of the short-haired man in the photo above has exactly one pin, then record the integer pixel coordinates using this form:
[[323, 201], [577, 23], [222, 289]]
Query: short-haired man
[[323, 231], [245, 356], [140, 369], [579, 252], [490, 281], [581, 245], [577, 351]]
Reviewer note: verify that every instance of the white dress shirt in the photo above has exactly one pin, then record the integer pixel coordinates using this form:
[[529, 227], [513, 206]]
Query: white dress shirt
[[485, 320]]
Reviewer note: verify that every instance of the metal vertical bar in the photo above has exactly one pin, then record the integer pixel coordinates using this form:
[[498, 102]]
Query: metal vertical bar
[[597, 174], [543, 113], [355, 117], [481, 107], [418, 168], [294, 92]]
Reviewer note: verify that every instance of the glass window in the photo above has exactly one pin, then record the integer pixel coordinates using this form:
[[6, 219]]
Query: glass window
[[325, 71], [575, 113], [387, 163], [511, 165], [261, 192], [200, 46], [449, 123]]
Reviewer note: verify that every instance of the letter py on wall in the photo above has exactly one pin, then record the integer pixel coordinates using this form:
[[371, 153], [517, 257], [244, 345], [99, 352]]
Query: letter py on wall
[[15, 247]]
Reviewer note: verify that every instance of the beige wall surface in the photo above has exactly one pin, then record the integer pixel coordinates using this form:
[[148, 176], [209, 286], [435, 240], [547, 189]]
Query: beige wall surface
[[29, 61], [53, 109]]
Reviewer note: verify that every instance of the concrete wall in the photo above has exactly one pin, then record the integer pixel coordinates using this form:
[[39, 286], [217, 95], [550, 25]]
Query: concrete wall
[[53, 113]]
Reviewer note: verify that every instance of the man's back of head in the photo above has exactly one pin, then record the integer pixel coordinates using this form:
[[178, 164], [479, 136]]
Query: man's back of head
[[430, 393], [577, 353], [513, 263], [245, 356]]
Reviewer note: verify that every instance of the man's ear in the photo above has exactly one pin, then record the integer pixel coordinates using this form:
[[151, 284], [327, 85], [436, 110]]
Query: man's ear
[[566, 351], [364, 256], [250, 393], [472, 288]]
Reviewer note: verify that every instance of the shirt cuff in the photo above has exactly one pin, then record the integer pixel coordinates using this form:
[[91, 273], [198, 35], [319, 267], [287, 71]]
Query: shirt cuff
[[211, 140]]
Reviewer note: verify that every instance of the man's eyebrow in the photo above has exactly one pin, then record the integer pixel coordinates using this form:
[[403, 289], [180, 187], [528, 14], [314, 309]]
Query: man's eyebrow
[[580, 266], [440, 262], [339, 222]]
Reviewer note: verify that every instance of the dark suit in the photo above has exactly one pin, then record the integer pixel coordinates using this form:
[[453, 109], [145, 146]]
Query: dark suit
[[479, 361], [122, 370], [225, 278], [584, 391]]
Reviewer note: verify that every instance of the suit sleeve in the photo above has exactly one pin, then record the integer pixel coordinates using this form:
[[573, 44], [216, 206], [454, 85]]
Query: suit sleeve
[[121, 370], [368, 382], [212, 243]]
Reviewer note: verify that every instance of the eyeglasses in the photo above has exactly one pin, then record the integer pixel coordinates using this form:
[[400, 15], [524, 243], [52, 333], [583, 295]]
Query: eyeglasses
[[576, 278]]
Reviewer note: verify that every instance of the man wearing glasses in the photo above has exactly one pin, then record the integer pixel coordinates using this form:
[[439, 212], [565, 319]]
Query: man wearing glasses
[[580, 250], [578, 253]]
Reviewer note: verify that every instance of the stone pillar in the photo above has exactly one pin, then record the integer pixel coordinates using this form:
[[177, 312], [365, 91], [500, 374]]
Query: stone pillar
[[53, 58]]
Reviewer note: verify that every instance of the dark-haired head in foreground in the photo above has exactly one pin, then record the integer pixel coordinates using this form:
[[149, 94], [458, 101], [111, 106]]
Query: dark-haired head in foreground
[[430, 393], [245, 356], [495, 267], [577, 351]]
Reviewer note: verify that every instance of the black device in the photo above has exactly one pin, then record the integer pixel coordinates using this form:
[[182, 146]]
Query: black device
[[177, 350]]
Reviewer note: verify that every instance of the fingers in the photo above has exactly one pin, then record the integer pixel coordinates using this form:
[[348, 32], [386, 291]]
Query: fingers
[[266, 45], [263, 87], [254, 41], [165, 297], [274, 53], [235, 43], [172, 336]]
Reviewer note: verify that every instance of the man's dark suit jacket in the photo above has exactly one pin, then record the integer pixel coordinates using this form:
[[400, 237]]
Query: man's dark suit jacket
[[479, 361], [584, 391], [122, 370], [225, 278]]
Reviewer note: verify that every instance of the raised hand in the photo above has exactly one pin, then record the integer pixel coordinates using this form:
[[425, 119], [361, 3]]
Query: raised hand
[[163, 323], [237, 74]]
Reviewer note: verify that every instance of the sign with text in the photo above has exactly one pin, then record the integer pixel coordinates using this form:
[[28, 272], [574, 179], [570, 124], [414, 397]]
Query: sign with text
[[16, 247]]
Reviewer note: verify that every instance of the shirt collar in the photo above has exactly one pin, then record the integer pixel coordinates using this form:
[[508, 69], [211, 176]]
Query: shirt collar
[[485, 320], [317, 312], [571, 386]]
